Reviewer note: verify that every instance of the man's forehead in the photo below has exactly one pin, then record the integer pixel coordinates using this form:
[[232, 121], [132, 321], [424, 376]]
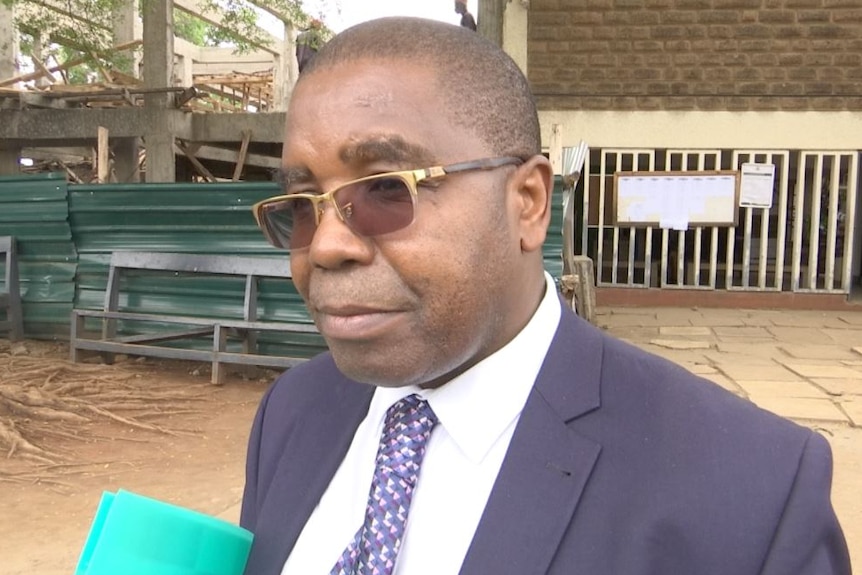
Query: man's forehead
[[359, 151], [367, 81]]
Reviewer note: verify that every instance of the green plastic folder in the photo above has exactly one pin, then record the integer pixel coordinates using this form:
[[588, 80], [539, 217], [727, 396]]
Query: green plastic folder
[[136, 535]]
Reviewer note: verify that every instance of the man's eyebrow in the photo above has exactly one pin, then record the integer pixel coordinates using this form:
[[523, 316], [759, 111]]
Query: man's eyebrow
[[394, 149], [289, 175]]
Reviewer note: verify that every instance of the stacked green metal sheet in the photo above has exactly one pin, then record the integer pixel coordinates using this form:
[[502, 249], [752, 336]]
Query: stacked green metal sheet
[[35, 210]]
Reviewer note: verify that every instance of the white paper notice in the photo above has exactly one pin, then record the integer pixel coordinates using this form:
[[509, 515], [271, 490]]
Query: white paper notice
[[755, 187], [677, 201]]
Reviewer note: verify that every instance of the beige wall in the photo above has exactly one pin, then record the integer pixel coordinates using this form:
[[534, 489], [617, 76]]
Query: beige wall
[[697, 129]]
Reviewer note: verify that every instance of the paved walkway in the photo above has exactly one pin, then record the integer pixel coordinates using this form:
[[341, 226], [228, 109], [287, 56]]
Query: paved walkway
[[804, 365]]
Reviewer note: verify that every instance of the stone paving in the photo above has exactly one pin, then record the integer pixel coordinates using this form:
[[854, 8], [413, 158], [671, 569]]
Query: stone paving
[[803, 365]]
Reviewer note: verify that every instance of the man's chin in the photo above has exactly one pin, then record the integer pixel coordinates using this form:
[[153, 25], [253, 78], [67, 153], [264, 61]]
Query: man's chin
[[381, 371]]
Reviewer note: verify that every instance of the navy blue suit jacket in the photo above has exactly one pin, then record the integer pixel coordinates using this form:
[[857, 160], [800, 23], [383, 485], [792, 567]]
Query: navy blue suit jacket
[[622, 463]]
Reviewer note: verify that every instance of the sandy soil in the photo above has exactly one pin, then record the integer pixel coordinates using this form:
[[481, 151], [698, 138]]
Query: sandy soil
[[46, 509]]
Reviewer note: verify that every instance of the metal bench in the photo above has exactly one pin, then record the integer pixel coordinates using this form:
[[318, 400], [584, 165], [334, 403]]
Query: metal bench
[[10, 291], [188, 327]]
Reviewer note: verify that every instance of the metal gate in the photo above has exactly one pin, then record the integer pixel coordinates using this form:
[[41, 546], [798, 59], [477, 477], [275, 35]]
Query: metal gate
[[802, 243]]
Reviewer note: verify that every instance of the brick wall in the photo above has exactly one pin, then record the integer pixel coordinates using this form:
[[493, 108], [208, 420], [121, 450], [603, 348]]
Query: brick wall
[[696, 54]]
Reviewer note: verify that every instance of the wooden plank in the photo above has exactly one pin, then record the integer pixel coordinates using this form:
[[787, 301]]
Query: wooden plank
[[64, 66], [42, 68], [202, 170], [226, 155], [103, 156], [243, 151], [198, 9]]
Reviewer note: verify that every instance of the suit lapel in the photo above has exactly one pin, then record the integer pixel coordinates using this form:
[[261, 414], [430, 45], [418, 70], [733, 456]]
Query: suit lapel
[[547, 465], [313, 453]]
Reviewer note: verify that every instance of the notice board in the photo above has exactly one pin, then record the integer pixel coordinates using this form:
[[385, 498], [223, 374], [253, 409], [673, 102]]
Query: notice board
[[676, 200]]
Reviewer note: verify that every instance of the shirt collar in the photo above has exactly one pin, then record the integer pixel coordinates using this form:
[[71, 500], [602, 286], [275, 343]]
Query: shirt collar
[[476, 407]]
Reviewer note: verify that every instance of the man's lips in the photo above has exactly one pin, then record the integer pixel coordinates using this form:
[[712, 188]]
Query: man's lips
[[352, 322]]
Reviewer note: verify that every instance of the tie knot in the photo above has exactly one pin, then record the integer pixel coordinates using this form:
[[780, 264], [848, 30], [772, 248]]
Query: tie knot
[[406, 430]]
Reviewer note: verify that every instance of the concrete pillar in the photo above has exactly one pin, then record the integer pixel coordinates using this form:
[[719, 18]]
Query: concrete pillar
[[285, 70], [8, 43], [515, 21], [10, 159], [158, 70], [126, 152], [38, 54], [184, 70], [124, 18], [125, 28], [490, 20], [10, 155]]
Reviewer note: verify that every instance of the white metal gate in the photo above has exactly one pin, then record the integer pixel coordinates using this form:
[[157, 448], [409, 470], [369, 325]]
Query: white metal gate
[[780, 248]]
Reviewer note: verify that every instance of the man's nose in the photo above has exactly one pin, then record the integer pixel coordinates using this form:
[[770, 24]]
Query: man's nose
[[334, 243]]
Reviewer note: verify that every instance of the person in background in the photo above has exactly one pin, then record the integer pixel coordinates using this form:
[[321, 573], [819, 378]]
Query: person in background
[[467, 20], [464, 420]]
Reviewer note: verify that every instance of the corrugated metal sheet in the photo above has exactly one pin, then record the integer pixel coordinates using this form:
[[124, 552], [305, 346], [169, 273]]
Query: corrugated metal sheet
[[553, 249], [67, 235], [35, 209], [189, 218]]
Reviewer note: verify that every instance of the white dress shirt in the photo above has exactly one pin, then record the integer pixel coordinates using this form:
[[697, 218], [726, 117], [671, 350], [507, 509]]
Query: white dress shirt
[[477, 413]]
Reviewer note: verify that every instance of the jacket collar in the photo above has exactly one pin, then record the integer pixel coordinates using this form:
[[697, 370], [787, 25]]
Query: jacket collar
[[547, 465]]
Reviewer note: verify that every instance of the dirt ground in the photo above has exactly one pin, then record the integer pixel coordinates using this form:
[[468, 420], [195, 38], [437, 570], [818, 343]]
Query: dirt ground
[[195, 460], [193, 456]]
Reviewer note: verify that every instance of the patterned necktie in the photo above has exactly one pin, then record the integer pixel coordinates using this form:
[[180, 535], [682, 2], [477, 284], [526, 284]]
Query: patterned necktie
[[375, 547]]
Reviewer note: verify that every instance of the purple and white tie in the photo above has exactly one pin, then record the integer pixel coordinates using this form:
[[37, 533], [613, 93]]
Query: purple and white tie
[[375, 547]]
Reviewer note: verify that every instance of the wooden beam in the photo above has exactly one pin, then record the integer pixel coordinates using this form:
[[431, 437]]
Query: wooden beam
[[243, 151], [109, 78], [64, 66], [70, 173], [202, 170], [42, 68], [266, 7], [231, 156], [59, 9], [196, 9]]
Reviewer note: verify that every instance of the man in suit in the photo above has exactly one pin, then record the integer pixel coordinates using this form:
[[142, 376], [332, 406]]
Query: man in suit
[[416, 202]]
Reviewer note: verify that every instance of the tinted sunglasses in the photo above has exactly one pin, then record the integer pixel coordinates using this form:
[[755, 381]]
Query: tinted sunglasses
[[370, 206]]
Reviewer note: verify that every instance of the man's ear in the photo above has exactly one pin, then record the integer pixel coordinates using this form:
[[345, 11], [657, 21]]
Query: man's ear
[[533, 186]]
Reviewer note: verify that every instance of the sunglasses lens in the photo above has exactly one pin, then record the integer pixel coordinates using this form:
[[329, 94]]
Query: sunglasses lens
[[369, 207], [376, 206], [289, 223]]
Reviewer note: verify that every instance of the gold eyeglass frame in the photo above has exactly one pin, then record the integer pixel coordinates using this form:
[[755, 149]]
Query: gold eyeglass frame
[[410, 177]]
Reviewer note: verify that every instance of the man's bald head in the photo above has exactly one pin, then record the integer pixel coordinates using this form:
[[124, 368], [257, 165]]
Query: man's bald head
[[483, 87]]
